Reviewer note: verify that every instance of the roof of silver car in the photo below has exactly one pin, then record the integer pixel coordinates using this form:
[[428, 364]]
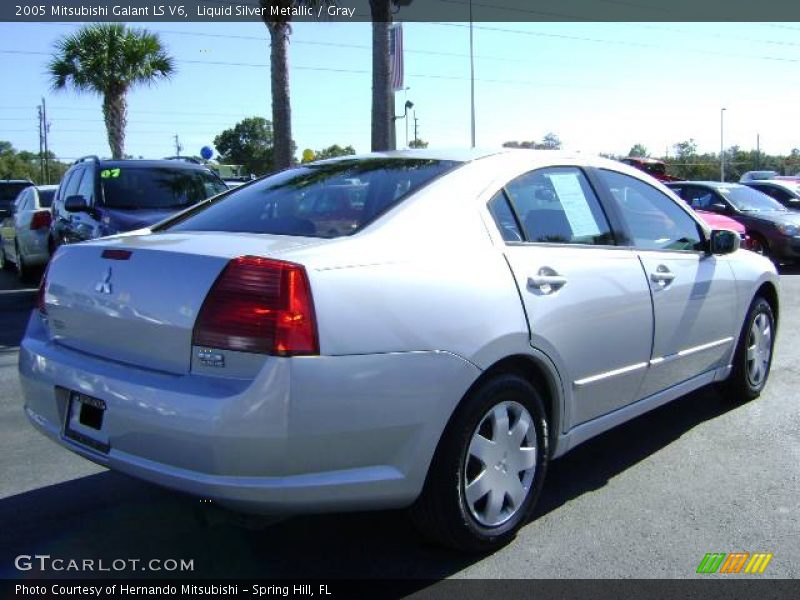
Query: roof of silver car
[[454, 154]]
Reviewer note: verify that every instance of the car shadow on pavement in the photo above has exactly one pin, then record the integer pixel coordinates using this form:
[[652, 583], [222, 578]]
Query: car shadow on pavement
[[15, 306], [789, 269], [591, 465], [111, 516]]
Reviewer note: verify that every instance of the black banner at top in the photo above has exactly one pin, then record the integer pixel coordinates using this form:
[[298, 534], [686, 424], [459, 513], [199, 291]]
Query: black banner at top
[[403, 10]]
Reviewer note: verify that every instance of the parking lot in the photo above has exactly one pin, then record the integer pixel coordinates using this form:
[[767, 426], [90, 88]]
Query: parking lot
[[646, 500]]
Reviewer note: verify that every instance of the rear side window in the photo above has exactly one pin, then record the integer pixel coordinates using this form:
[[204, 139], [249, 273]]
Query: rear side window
[[504, 218], [558, 206], [326, 200], [654, 219]]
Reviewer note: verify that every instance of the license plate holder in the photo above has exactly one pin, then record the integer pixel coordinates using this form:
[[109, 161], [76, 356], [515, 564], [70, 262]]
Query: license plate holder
[[83, 423]]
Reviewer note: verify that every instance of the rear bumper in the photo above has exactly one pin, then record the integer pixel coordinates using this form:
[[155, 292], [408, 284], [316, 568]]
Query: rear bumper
[[306, 435]]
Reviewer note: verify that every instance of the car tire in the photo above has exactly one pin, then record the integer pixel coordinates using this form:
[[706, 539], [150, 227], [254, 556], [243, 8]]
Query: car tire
[[453, 509], [24, 272], [4, 264], [753, 357]]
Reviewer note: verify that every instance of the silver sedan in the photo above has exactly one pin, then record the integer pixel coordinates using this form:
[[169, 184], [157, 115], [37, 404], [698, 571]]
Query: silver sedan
[[23, 234], [412, 329]]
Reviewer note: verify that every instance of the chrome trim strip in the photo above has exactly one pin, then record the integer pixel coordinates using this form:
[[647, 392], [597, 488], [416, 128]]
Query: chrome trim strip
[[689, 351], [652, 363], [608, 374], [708, 346]]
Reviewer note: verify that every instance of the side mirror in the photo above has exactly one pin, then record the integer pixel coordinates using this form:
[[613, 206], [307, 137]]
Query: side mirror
[[75, 204], [723, 241]]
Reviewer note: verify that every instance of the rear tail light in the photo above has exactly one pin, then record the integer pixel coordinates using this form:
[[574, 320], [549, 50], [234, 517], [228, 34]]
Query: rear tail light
[[41, 219], [259, 305]]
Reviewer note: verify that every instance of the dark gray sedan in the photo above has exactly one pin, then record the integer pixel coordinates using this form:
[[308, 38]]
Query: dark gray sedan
[[773, 229]]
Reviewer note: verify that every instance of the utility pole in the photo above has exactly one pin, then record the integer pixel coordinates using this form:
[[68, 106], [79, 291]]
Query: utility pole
[[178, 146], [721, 146], [41, 144], [471, 80], [758, 151], [415, 126], [45, 129]]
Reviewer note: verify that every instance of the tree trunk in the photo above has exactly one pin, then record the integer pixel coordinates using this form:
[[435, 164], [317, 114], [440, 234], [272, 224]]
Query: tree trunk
[[381, 117], [281, 105], [115, 114]]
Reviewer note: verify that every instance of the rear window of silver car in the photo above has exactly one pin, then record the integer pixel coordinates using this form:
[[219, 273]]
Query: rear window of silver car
[[319, 200]]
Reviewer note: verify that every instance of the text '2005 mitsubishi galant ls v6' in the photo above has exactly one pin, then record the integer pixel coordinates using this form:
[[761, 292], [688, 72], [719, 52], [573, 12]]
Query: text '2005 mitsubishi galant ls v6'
[[411, 329]]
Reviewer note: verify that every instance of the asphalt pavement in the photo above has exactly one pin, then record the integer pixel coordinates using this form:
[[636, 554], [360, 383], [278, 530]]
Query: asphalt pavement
[[646, 500]]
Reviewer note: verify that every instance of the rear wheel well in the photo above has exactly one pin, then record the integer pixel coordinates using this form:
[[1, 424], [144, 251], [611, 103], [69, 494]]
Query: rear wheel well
[[532, 371]]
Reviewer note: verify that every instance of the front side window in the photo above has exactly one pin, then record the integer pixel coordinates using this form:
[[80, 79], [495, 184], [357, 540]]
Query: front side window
[[71, 188], [702, 199], [320, 200], [557, 205], [86, 188], [655, 220]]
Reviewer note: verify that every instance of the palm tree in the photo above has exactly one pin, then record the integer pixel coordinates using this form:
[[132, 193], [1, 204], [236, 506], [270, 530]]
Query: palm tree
[[108, 59], [279, 32], [382, 105]]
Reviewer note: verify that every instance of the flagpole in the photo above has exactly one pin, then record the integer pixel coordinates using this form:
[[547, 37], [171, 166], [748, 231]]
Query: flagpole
[[471, 78]]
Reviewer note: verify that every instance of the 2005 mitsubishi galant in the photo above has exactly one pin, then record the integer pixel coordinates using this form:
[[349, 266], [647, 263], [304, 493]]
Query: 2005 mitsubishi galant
[[412, 329]]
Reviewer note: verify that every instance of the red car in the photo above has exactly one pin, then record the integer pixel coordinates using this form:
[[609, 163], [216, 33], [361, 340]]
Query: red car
[[652, 166]]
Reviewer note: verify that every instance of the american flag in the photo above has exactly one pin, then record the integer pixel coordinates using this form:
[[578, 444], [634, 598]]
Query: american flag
[[396, 56]]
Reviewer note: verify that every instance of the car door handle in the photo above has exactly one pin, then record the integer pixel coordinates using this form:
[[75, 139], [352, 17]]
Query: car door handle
[[662, 275], [547, 280]]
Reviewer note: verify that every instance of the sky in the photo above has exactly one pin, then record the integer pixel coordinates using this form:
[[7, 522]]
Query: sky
[[601, 87]]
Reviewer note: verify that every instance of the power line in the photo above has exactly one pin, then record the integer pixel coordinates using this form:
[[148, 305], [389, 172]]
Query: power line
[[496, 29]]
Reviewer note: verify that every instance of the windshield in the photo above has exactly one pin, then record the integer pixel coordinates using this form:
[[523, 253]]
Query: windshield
[[750, 200], [10, 191], [157, 187], [325, 200]]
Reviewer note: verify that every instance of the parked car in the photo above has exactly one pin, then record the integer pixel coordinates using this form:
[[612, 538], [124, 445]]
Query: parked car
[[758, 175], [23, 234], [652, 166], [97, 197], [773, 229], [9, 190], [486, 313], [717, 221], [787, 192]]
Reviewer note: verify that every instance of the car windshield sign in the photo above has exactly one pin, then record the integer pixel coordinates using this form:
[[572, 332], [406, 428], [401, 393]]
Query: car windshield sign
[[749, 200], [157, 188], [323, 200]]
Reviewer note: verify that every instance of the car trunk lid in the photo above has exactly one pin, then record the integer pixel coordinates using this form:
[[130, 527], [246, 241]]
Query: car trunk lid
[[135, 299]]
